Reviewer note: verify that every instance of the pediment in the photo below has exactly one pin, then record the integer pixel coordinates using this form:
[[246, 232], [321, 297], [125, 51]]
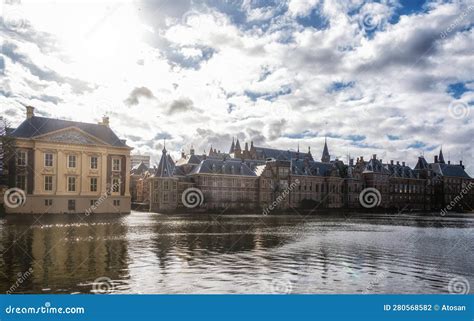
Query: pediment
[[71, 135]]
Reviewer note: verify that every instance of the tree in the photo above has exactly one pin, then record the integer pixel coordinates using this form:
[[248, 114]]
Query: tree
[[7, 150]]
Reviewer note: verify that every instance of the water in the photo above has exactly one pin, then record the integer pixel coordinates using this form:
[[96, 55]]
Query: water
[[152, 253]]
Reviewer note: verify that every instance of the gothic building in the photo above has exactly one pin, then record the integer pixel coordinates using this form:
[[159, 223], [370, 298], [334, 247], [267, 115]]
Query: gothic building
[[255, 178]]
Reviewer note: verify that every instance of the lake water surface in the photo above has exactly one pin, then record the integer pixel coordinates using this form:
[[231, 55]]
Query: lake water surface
[[153, 253]]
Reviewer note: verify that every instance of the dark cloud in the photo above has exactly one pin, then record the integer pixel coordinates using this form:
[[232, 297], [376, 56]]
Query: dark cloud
[[136, 94], [180, 105], [162, 135], [47, 98], [275, 129]]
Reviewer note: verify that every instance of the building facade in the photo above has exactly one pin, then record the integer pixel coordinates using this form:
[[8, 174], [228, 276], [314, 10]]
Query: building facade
[[259, 178], [69, 167]]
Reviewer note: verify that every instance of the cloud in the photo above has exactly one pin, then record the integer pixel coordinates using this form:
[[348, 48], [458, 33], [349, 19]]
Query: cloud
[[375, 77], [180, 105], [136, 94]]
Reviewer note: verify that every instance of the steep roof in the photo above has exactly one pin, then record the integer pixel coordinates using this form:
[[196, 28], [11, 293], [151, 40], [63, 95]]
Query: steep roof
[[311, 168], [279, 154], [375, 166], [139, 169], [398, 170], [449, 170], [166, 166], [190, 159], [228, 167], [36, 126], [421, 164]]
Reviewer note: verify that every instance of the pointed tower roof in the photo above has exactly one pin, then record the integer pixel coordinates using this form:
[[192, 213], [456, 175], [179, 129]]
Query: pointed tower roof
[[237, 145], [325, 158], [441, 157], [421, 164], [232, 147], [166, 166]]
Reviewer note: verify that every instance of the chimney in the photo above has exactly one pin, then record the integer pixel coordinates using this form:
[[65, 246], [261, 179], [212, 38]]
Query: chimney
[[403, 164], [30, 112], [398, 162], [391, 162], [375, 156], [460, 164], [436, 158], [449, 162], [105, 121]]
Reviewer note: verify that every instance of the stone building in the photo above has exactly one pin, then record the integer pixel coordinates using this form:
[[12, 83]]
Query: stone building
[[139, 190], [259, 178], [69, 167]]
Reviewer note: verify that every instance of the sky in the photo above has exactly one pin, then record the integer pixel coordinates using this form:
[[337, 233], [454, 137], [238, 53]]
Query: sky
[[392, 78]]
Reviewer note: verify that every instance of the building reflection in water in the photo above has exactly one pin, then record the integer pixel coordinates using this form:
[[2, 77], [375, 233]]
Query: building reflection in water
[[149, 253]]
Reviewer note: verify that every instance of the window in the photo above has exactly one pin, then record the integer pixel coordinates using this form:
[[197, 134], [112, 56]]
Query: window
[[166, 185], [116, 202], [115, 185], [71, 205], [48, 202], [92, 203], [21, 158], [93, 184], [116, 164], [94, 162], [48, 160], [71, 184], [21, 182], [71, 161], [48, 183]]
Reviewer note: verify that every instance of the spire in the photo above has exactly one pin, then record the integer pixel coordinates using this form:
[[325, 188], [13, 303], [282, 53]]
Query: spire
[[326, 157], [237, 146], [232, 147], [164, 146], [191, 151], [166, 165], [441, 157]]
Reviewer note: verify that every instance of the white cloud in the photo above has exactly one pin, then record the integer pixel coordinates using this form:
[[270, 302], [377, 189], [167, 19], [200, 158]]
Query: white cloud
[[263, 77]]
